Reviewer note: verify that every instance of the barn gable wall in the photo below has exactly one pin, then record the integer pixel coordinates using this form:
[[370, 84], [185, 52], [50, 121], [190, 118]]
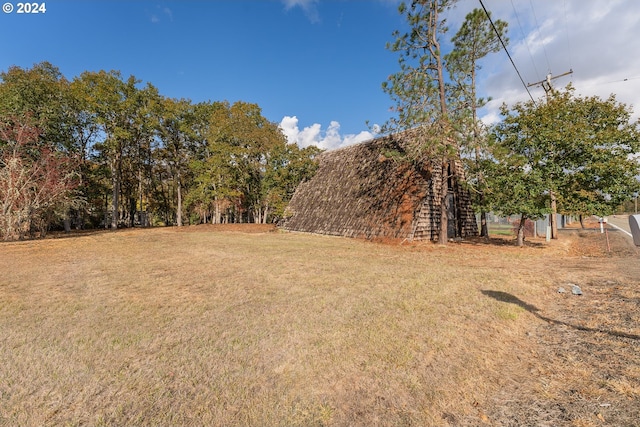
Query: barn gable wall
[[366, 191]]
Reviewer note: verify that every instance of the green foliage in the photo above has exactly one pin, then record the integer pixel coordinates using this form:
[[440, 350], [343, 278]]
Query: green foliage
[[248, 172], [441, 111], [475, 39], [287, 166], [580, 149], [124, 116], [419, 91], [512, 185], [42, 94], [141, 155]]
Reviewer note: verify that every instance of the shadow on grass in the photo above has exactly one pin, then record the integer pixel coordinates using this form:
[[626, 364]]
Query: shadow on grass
[[80, 233], [498, 241], [511, 299]]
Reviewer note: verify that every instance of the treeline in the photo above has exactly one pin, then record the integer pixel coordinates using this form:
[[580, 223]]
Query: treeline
[[102, 150]]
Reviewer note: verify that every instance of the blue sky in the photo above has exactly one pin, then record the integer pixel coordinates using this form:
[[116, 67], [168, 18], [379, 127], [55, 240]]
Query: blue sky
[[316, 66]]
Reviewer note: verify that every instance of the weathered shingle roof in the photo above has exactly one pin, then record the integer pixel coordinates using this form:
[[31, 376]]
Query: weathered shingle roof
[[371, 190]]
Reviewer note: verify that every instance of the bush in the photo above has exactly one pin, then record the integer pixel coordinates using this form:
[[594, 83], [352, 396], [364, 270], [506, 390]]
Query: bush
[[36, 182]]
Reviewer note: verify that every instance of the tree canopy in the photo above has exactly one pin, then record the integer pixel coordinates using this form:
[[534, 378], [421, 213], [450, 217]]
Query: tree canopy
[[122, 154], [580, 151]]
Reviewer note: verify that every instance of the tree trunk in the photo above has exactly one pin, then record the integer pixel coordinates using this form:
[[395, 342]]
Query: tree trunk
[[115, 171], [484, 228], [141, 200], [132, 211], [437, 54], [179, 207], [552, 218], [523, 221], [581, 221], [217, 214]]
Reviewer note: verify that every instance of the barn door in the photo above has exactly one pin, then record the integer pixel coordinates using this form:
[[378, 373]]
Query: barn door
[[452, 223]]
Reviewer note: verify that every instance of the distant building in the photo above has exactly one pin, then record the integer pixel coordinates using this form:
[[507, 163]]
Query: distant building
[[371, 190]]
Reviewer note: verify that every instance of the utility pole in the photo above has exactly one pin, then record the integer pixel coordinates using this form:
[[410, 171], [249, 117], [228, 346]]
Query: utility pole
[[546, 85]]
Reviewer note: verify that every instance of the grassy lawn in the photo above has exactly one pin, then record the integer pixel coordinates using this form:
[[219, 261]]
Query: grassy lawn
[[206, 327], [501, 229]]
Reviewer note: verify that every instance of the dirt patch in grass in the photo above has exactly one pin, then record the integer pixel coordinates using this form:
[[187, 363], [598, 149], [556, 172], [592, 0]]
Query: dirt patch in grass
[[248, 327], [578, 365]]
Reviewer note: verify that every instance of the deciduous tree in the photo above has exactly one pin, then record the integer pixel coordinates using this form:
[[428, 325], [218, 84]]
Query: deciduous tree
[[577, 150], [42, 93], [36, 180], [175, 129], [123, 114], [513, 186]]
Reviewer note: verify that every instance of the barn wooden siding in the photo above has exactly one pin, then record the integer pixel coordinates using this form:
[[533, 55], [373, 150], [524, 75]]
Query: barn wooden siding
[[366, 191]]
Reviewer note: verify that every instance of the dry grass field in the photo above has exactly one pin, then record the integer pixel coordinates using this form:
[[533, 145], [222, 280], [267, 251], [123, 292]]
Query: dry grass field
[[255, 327]]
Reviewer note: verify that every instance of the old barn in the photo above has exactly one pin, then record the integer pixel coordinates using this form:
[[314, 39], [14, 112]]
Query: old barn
[[370, 190]]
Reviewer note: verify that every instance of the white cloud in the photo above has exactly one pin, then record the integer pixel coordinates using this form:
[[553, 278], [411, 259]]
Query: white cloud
[[591, 37], [168, 12], [309, 7], [314, 135], [156, 17]]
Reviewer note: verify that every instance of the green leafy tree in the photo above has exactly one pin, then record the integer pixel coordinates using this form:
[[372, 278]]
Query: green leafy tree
[[42, 93], [601, 164], [123, 113], [581, 151], [85, 132], [55, 107], [287, 166], [106, 96], [213, 190], [175, 130], [513, 185], [245, 170], [243, 140], [138, 152]]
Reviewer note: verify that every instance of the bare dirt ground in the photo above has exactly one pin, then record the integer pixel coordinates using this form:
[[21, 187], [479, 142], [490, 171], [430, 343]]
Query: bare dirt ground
[[579, 361]]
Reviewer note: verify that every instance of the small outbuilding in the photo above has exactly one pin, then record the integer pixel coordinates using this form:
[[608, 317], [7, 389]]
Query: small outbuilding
[[372, 190]]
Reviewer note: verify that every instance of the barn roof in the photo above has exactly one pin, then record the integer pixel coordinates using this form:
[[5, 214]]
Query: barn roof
[[364, 190]]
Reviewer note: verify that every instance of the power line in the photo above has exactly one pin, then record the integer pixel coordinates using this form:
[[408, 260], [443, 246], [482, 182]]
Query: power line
[[504, 46], [566, 26], [524, 38], [620, 81], [535, 19]]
